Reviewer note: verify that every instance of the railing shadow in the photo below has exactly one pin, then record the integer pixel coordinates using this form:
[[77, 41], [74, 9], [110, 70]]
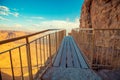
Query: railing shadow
[[6, 76]]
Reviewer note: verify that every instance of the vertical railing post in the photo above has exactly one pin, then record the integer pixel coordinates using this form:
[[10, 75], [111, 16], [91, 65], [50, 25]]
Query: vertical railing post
[[44, 50], [93, 47], [59, 37], [56, 41], [21, 66], [29, 59], [36, 54], [64, 33], [12, 68], [50, 50], [47, 53], [0, 74], [40, 52]]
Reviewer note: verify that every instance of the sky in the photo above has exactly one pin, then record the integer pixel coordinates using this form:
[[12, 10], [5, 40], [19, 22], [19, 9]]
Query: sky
[[35, 15]]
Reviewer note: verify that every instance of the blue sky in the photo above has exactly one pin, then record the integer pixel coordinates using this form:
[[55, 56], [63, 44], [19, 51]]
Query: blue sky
[[39, 14]]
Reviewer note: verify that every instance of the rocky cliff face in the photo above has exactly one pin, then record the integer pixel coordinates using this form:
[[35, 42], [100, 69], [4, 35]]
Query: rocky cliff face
[[100, 14]]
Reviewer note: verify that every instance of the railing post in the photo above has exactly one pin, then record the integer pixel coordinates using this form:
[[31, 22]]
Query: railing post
[[93, 47], [56, 41], [64, 33], [0, 74], [12, 69], [29, 59], [50, 50]]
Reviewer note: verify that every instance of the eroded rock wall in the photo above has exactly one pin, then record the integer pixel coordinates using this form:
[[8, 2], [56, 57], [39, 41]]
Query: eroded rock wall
[[100, 14]]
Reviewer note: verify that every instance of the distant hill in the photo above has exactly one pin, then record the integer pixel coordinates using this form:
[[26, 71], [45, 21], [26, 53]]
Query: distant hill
[[7, 34]]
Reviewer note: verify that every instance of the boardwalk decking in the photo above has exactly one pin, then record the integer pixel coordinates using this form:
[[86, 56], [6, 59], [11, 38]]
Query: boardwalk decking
[[69, 64], [69, 55]]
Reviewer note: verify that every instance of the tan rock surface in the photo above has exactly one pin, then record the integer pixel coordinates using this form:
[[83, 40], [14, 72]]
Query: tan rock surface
[[100, 14]]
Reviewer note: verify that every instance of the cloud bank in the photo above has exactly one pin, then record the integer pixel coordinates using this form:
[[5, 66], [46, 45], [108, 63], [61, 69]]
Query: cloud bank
[[33, 23], [57, 24], [5, 11], [4, 19]]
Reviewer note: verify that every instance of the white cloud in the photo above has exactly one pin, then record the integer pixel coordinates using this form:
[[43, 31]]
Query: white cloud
[[6, 11], [29, 20], [77, 20], [37, 17], [53, 24], [36, 25], [16, 14], [4, 19], [57, 24], [5, 27], [18, 25]]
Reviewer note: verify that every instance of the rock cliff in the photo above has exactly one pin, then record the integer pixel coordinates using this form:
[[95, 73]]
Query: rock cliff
[[100, 14]]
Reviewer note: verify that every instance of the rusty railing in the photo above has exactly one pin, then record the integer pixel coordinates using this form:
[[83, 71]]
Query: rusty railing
[[101, 47], [30, 54]]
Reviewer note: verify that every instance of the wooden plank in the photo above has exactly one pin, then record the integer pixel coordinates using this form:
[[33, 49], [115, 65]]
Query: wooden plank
[[80, 56], [74, 55], [59, 54], [69, 54], [63, 58]]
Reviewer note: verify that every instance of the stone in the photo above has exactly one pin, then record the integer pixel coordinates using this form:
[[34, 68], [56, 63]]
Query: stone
[[100, 14]]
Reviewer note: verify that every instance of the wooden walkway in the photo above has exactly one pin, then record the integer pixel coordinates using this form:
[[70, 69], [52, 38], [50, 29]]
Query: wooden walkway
[[69, 55], [69, 64]]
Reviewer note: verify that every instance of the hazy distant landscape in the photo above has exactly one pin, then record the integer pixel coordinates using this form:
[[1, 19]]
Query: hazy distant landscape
[[7, 34], [5, 59]]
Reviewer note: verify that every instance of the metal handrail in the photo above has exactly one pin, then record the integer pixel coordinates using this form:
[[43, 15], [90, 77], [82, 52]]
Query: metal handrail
[[96, 29], [40, 46], [87, 40], [22, 37]]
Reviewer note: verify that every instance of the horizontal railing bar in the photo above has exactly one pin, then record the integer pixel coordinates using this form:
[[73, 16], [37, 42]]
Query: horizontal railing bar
[[22, 37], [12, 48], [54, 29], [42, 36], [107, 29], [96, 29], [5, 41], [33, 41], [38, 38], [86, 29]]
